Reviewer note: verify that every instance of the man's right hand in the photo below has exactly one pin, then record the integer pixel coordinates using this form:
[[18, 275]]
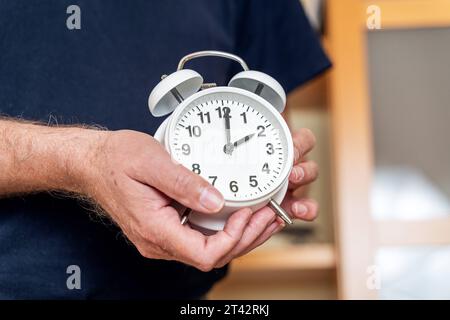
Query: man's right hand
[[133, 178]]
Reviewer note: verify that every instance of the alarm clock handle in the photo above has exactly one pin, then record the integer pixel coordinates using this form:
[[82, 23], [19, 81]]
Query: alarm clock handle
[[212, 53]]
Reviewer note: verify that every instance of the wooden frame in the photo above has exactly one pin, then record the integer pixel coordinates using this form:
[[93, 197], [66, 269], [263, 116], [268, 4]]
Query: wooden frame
[[351, 141], [357, 234]]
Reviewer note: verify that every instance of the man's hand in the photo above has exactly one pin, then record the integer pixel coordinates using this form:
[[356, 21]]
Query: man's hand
[[303, 173], [134, 180], [137, 191]]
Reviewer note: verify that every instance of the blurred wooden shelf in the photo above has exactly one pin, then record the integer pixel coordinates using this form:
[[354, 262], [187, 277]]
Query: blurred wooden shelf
[[310, 256], [280, 270]]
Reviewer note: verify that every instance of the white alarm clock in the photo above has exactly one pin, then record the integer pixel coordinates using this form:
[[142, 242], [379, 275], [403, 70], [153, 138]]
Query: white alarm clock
[[233, 136]]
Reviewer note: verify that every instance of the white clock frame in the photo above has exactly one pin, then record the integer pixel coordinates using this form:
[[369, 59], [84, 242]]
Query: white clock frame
[[178, 90]]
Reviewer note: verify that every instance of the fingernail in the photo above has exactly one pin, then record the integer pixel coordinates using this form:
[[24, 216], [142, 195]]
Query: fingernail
[[297, 174], [299, 209], [211, 199]]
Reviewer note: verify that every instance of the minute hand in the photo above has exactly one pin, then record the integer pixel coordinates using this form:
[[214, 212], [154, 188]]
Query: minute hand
[[242, 140], [227, 128]]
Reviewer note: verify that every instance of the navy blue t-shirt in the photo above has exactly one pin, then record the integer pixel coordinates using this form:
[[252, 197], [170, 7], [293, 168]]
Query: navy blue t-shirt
[[102, 74]]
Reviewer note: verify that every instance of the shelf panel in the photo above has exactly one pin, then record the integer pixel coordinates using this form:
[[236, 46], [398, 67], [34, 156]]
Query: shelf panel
[[413, 232], [413, 13], [287, 257]]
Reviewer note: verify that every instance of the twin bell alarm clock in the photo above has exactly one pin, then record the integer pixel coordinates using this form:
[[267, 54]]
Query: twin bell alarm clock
[[233, 136]]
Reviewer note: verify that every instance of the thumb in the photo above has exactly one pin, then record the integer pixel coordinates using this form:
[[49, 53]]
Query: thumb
[[184, 186]]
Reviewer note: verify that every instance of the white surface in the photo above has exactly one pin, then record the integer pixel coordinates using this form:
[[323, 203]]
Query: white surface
[[421, 272], [402, 192]]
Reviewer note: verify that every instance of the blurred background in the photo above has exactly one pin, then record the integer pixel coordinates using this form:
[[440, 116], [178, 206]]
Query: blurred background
[[382, 122]]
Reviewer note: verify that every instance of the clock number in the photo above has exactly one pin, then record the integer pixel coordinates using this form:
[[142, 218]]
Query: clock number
[[204, 116], [186, 149], [253, 181], [270, 149], [213, 178], [265, 168], [244, 116], [219, 111], [223, 112], [196, 168], [261, 130], [194, 131], [234, 186]]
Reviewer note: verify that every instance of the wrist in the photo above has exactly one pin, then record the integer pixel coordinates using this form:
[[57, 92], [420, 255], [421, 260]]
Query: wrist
[[41, 158], [76, 159]]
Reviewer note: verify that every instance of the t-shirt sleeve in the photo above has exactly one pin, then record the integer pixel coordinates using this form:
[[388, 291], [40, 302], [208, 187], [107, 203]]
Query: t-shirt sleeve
[[276, 37]]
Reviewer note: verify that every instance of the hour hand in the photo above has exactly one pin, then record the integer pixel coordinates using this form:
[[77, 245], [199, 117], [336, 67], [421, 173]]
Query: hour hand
[[242, 140]]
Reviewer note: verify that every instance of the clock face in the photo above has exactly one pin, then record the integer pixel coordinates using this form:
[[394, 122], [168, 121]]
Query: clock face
[[237, 143]]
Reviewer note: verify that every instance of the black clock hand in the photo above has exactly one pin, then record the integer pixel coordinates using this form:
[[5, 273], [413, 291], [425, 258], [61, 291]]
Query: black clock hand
[[228, 148], [242, 140], [227, 127]]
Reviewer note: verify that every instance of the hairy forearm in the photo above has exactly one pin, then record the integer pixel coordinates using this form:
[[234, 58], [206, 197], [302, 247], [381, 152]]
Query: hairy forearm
[[39, 158]]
